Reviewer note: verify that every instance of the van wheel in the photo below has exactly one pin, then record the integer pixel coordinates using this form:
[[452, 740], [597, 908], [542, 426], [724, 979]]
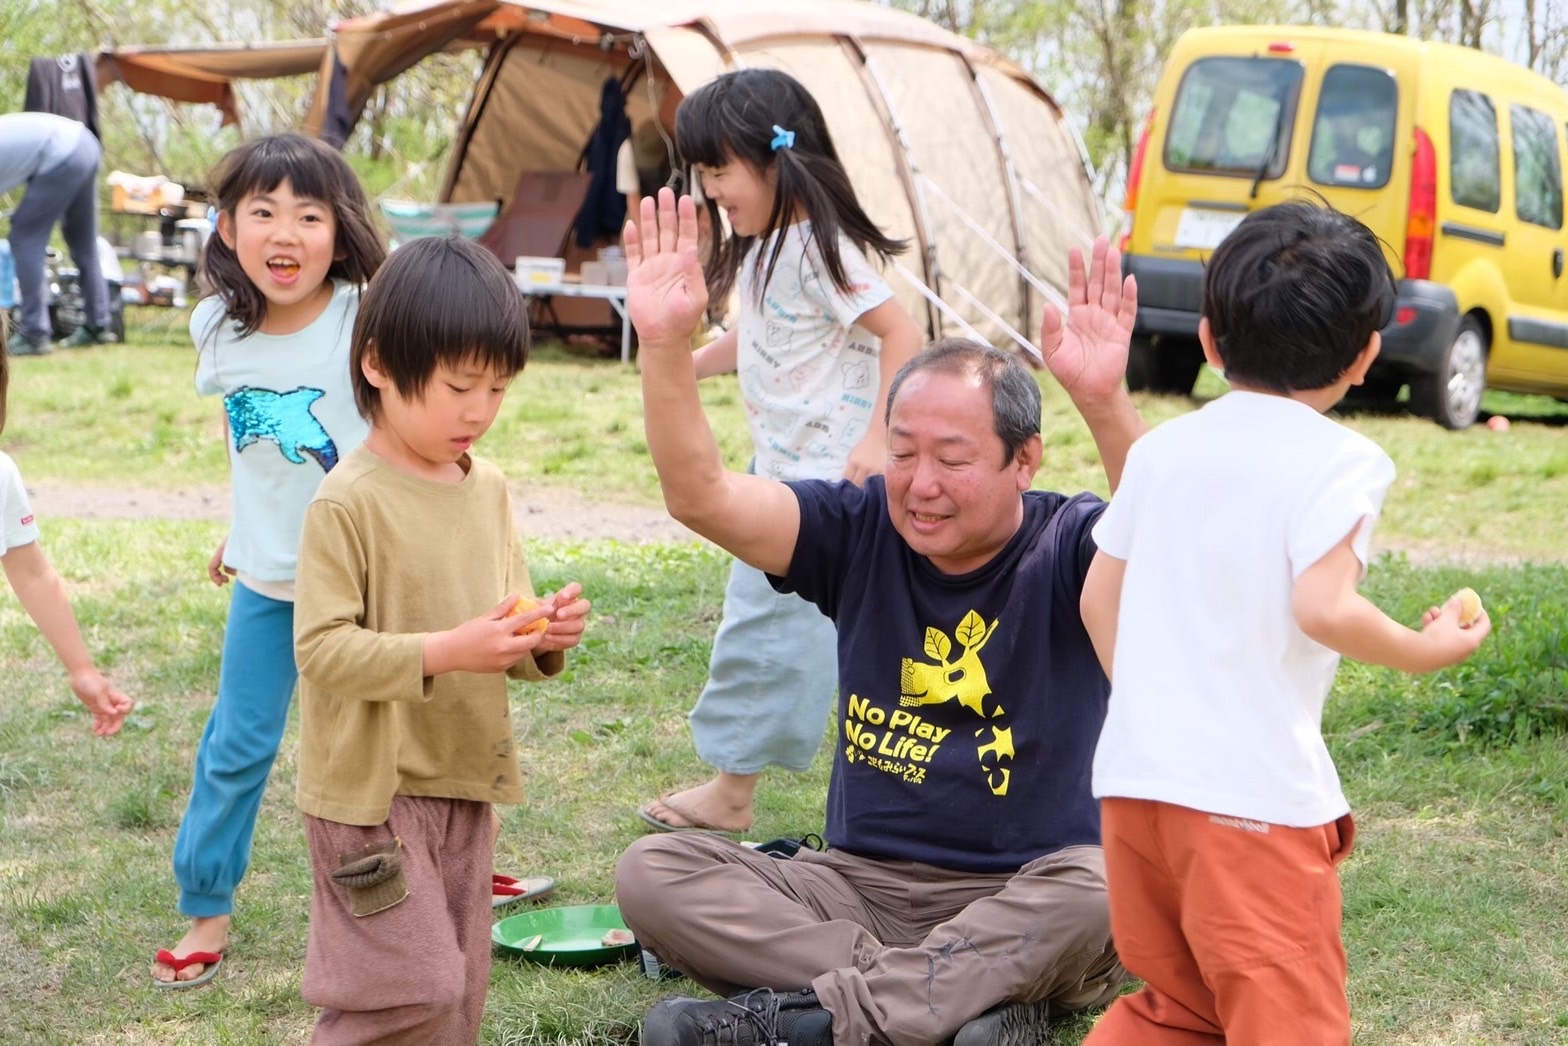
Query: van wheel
[[1452, 395], [1164, 364]]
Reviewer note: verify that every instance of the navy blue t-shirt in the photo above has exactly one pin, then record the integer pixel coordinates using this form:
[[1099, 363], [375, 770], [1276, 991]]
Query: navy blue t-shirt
[[969, 704]]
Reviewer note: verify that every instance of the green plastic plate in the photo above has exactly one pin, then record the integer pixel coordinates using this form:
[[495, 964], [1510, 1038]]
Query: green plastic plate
[[569, 936]]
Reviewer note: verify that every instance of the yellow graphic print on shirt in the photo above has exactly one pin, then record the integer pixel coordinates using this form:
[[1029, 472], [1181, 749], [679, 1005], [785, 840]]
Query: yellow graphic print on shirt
[[904, 743]]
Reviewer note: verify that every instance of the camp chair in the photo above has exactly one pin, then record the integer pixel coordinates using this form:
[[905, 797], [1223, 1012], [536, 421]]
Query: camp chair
[[410, 220], [538, 217]]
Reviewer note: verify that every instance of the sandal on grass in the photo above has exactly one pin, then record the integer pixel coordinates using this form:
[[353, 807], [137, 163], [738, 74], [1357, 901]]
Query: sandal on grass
[[508, 889], [212, 960], [693, 822]]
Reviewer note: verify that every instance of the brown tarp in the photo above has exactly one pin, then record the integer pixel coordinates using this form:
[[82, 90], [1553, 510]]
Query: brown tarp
[[206, 74]]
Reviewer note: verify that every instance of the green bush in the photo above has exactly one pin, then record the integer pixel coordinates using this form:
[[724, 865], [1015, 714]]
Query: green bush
[[1513, 689]]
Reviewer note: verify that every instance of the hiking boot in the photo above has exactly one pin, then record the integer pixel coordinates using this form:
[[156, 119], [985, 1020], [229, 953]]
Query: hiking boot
[[1010, 1024], [756, 1018], [84, 336], [22, 345]]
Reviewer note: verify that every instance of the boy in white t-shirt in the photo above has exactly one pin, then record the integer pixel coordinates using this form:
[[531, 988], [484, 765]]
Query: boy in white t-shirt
[[1221, 599]]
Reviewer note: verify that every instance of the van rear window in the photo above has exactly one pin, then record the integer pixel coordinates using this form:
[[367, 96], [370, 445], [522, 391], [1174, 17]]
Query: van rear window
[[1353, 134], [1233, 116]]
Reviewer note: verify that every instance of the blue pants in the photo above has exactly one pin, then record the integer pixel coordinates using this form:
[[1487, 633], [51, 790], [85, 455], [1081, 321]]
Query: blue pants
[[771, 680], [255, 682], [67, 195]]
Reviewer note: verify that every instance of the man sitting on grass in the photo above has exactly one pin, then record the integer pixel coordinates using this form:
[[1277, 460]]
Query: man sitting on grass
[[963, 891]]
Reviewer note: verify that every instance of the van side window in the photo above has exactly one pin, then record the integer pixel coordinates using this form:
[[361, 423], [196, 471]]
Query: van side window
[[1474, 172], [1353, 133], [1234, 116], [1538, 175]]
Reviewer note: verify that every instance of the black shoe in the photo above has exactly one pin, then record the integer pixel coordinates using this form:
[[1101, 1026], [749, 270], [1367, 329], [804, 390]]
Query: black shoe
[[1010, 1024], [22, 345], [755, 1018]]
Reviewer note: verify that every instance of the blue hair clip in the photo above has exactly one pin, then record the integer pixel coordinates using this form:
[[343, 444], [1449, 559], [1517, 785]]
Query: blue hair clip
[[782, 139]]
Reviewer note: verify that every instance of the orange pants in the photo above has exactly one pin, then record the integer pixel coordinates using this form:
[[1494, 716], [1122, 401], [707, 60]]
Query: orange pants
[[1232, 924]]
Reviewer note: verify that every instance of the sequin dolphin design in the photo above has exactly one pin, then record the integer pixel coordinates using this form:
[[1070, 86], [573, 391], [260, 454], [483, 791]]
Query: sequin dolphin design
[[285, 419]]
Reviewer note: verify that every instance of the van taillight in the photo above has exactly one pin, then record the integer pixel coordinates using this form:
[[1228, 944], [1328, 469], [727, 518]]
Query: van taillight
[[1422, 222], [1134, 175]]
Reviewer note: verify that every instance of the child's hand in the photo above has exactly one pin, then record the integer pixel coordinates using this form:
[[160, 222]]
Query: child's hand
[[1450, 641], [568, 613], [869, 458], [489, 643], [103, 699], [219, 573]]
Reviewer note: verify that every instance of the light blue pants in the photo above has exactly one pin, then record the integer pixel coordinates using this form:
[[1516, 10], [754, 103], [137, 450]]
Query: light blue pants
[[771, 680], [255, 682], [66, 195]]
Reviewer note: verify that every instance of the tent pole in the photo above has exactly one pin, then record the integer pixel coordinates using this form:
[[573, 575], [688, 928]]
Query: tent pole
[[476, 104], [877, 89], [1004, 156]]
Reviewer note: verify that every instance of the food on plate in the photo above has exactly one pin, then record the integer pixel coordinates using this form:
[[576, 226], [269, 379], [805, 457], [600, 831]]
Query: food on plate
[[533, 942], [617, 939]]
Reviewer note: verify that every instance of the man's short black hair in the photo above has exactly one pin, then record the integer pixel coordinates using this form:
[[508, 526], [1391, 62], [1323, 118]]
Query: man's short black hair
[[1293, 295], [438, 299]]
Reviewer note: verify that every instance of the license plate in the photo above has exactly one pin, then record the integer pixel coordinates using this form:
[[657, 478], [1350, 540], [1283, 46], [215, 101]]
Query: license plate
[[1203, 230]]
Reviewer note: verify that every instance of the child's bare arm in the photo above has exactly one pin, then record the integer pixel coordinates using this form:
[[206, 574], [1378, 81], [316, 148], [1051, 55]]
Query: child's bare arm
[[1330, 610], [900, 341], [718, 356], [1100, 605], [42, 594]]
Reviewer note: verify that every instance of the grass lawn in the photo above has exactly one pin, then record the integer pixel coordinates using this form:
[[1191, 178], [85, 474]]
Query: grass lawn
[[1454, 912]]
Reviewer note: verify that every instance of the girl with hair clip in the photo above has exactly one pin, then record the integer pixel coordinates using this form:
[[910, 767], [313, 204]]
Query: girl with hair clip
[[817, 343], [294, 245]]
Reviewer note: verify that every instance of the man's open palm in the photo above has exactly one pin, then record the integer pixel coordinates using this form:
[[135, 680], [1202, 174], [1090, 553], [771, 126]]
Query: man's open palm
[[665, 291], [1087, 352]]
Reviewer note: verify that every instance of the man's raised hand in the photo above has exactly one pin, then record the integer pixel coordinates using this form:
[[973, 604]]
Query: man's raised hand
[[1088, 352], [665, 291]]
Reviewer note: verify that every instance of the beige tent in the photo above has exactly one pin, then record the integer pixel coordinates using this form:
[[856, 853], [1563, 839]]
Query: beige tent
[[948, 143]]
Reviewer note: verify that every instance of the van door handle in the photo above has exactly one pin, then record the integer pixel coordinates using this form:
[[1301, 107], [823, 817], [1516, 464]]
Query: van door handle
[[1557, 263]]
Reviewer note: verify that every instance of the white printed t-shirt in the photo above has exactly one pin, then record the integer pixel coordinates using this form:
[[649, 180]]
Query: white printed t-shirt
[[1217, 695], [808, 373], [291, 419], [19, 527]]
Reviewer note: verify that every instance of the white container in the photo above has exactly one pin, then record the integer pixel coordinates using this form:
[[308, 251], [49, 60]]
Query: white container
[[530, 270], [594, 273]]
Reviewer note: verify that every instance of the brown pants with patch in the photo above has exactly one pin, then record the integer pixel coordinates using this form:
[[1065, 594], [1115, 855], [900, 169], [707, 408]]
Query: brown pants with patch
[[1233, 925], [898, 952], [416, 972]]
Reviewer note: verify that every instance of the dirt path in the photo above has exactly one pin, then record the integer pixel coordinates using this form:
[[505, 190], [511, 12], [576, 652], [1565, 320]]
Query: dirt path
[[542, 514]]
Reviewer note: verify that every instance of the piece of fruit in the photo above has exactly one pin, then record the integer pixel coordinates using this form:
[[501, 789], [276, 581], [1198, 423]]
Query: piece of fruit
[[1469, 607], [617, 939], [523, 605]]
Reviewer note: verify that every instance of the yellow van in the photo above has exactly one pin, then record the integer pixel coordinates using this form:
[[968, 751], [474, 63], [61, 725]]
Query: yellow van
[[1452, 156]]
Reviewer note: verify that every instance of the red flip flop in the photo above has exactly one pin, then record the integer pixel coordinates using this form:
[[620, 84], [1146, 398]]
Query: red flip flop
[[508, 889], [212, 960]]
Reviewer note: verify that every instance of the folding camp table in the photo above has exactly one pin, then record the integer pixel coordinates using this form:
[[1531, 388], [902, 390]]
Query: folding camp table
[[615, 295]]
